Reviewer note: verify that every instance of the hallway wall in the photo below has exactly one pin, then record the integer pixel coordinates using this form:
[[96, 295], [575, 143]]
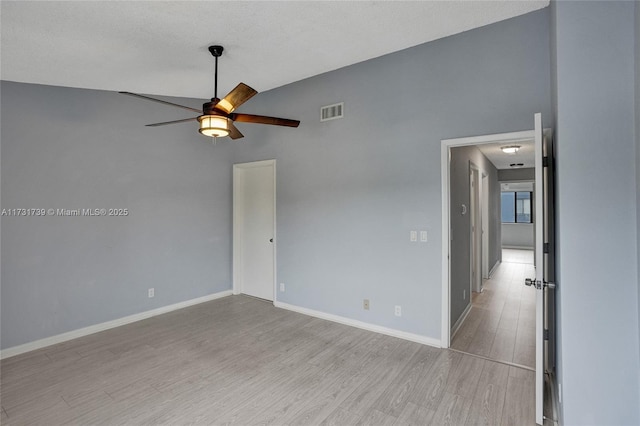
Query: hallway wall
[[593, 86], [460, 193]]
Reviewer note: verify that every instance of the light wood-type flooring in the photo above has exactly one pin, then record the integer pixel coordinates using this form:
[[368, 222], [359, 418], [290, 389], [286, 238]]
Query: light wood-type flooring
[[241, 361], [501, 324]]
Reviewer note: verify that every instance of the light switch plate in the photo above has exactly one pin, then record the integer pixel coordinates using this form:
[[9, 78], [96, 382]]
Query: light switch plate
[[413, 236], [423, 236]]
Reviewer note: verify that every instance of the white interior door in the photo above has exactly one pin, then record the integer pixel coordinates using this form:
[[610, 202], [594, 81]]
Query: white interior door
[[254, 229], [539, 220]]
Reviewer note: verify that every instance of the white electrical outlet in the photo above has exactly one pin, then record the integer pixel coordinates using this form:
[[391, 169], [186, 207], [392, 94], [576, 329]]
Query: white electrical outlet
[[413, 236], [423, 236], [151, 292], [398, 311], [282, 287], [365, 304]]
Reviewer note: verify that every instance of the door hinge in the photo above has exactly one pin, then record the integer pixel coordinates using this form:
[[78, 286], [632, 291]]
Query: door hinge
[[546, 334], [545, 161], [545, 248]]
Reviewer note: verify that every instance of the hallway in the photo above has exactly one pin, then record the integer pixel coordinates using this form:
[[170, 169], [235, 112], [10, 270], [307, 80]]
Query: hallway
[[501, 324]]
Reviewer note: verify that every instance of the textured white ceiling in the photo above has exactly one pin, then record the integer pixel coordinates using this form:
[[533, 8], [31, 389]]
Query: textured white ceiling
[[160, 47]]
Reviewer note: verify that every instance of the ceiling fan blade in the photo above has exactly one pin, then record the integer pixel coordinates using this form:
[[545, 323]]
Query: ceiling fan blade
[[161, 101], [239, 95], [184, 120], [234, 133], [261, 119]]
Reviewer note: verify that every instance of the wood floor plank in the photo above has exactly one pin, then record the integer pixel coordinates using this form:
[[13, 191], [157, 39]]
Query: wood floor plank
[[377, 418], [464, 379], [341, 417], [482, 343], [430, 391], [398, 393], [351, 375], [519, 406], [415, 415], [36, 411], [364, 397], [510, 314], [488, 400], [524, 353], [452, 410], [503, 345]]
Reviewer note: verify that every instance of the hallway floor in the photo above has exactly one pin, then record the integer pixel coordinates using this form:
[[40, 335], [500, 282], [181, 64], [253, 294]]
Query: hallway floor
[[501, 324]]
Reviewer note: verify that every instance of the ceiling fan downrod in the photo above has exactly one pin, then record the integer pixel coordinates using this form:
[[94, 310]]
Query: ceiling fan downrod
[[216, 51]]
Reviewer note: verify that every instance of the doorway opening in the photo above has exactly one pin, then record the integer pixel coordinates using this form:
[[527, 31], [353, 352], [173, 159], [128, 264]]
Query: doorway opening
[[457, 155], [477, 317], [491, 312]]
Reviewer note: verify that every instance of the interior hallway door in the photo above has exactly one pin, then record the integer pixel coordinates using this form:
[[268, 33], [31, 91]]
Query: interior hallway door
[[544, 259], [254, 229]]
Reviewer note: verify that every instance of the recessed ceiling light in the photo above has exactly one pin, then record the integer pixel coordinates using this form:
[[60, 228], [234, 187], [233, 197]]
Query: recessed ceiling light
[[511, 149]]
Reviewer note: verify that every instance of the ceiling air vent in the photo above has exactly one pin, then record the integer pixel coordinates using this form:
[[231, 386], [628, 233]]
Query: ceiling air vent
[[332, 112]]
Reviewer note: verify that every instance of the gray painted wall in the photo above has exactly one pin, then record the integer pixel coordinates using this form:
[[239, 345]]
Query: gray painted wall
[[461, 157], [596, 208], [74, 148], [350, 190], [510, 175], [637, 135], [518, 235]]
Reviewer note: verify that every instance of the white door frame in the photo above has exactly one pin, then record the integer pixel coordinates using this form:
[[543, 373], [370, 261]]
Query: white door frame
[[238, 214], [475, 240], [445, 157], [485, 225]]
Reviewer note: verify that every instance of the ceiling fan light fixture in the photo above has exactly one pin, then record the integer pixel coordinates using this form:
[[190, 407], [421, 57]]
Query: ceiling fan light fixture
[[511, 149], [214, 126]]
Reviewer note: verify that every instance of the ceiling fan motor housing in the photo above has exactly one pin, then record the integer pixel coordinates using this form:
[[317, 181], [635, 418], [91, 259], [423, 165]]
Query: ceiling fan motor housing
[[216, 50], [208, 108]]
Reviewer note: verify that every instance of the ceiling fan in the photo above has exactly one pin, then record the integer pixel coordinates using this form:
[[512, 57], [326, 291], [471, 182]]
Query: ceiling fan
[[217, 116]]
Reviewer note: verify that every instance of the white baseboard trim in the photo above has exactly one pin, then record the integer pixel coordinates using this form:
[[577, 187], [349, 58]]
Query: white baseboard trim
[[461, 319], [498, 262], [429, 341], [74, 334]]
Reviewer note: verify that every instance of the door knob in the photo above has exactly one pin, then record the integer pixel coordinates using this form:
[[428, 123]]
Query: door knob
[[539, 284]]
